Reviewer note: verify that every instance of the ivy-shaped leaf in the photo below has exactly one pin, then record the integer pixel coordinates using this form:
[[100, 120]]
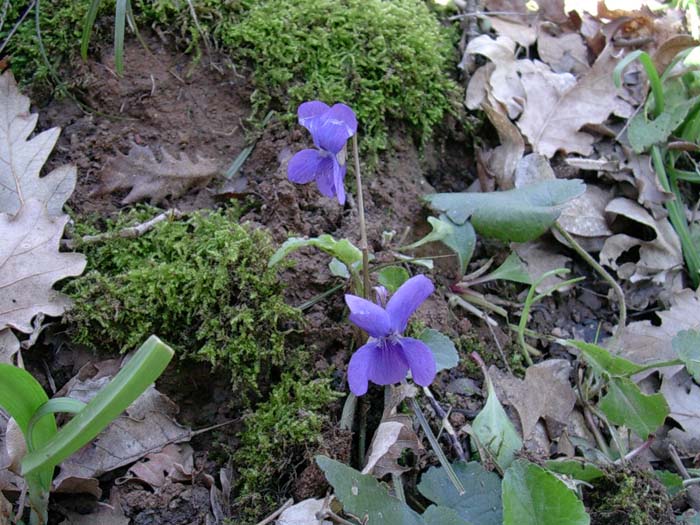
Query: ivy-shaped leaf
[[603, 362], [625, 404], [460, 238], [687, 345], [343, 250], [443, 348]]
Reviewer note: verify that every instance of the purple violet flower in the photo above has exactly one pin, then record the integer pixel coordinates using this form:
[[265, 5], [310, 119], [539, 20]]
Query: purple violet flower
[[330, 128], [388, 355]]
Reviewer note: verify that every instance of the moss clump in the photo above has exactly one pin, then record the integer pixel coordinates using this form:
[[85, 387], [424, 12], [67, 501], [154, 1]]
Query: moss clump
[[61, 23], [278, 436], [387, 60], [201, 284]]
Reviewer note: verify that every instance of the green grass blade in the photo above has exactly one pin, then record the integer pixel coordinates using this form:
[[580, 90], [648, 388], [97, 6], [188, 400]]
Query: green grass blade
[[654, 80], [119, 29], [88, 24], [52, 406], [134, 27], [136, 376]]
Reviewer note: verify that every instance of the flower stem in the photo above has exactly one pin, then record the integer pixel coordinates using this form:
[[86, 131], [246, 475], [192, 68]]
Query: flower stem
[[363, 226], [436, 446]]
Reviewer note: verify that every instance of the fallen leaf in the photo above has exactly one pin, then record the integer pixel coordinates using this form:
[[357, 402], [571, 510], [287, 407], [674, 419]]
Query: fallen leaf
[[146, 177], [517, 30], [683, 398], [393, 435], [541, 256], [563, 52], [505, 156], [105, 515], [478, 88], [303, 513], [555, 110], [584, 216], [30, 264], [21, 160], [175, 463], [668, 50], [660, 258], [650, 193], [644, 342], [545, 393], [9, 346]]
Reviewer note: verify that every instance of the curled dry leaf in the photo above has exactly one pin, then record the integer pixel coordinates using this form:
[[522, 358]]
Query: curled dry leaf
[[175, 463], [30, 264], [683, 398], [21, 160], [517, 30], [660, 259], [394, 435], [9, 346], [147, 178], [506, 156], [563, 52], [303, 513]]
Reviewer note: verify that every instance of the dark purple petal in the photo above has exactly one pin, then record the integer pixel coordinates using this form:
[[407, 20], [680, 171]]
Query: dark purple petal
[[358, 369], [368, 316], [421, 360], [304, 166], [407, 299], [388, 364], [339, 181], [310, 114], [325, 180], [334, 128]]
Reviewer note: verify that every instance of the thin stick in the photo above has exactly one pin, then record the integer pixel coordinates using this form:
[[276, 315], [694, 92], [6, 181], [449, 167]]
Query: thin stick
[[131, 232], [454, 440], [605, 275], [279, 511], [363, 227]]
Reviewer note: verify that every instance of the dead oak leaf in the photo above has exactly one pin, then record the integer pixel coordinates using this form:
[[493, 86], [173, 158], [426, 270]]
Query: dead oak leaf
[[148, 178], [394, 435], [30, 264], [555, 111], [21, 160]]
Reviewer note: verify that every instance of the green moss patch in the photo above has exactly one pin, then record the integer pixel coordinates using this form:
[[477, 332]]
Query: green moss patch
[[201, 284]]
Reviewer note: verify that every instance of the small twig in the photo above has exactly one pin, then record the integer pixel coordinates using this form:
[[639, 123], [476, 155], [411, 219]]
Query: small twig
[[634, 453], [279, 511], [500, 349], [131, 232], [327, 513], [454, 440], [583, 399]]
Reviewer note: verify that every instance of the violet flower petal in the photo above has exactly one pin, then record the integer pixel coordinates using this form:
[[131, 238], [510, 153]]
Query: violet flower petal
[[368, 316], [359, 366], [333, 129], [339, 181], [407, 299], [388, 364], [304, 166], [310, 114], [325, 179], [421, 360]]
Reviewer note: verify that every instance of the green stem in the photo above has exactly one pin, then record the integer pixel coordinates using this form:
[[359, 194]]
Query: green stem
[[363, 226], [676, 215], [622, 320], [436, 446]]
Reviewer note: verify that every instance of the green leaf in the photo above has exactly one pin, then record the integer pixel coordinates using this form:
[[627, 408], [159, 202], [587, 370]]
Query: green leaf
[[512, 269], [21, 396], [580, 470], [88, 24], [495, 431], [673, 482], [687, 345], [481, 502], [338, 269], [141, 370], [603, 361], [392, 277], [518, 215], [533, 496], [362, 495], [52, 406], [343, 249], [460, 238], [443, 348], [625, 404], [643, 133], [435, 515]]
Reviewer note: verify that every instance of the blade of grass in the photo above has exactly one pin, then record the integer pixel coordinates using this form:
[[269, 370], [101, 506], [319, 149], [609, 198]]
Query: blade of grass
[[88, 24], [52, 406], [140, 372], [119, 29]]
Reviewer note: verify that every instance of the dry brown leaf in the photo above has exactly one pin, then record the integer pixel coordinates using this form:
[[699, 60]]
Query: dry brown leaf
[[303, 513], [105, 515], [651, 195], [585, 215], [147, 178], [660, 259], [644, 342], [541, 256], [9, 346], [394, 435], [546, 393], [505, 156], [30, 264], [5, 510], [478, 87], [564, 53], [175, 463], [683, 398], [555, 110], [668, 50], [517, 30], [21, 160]]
